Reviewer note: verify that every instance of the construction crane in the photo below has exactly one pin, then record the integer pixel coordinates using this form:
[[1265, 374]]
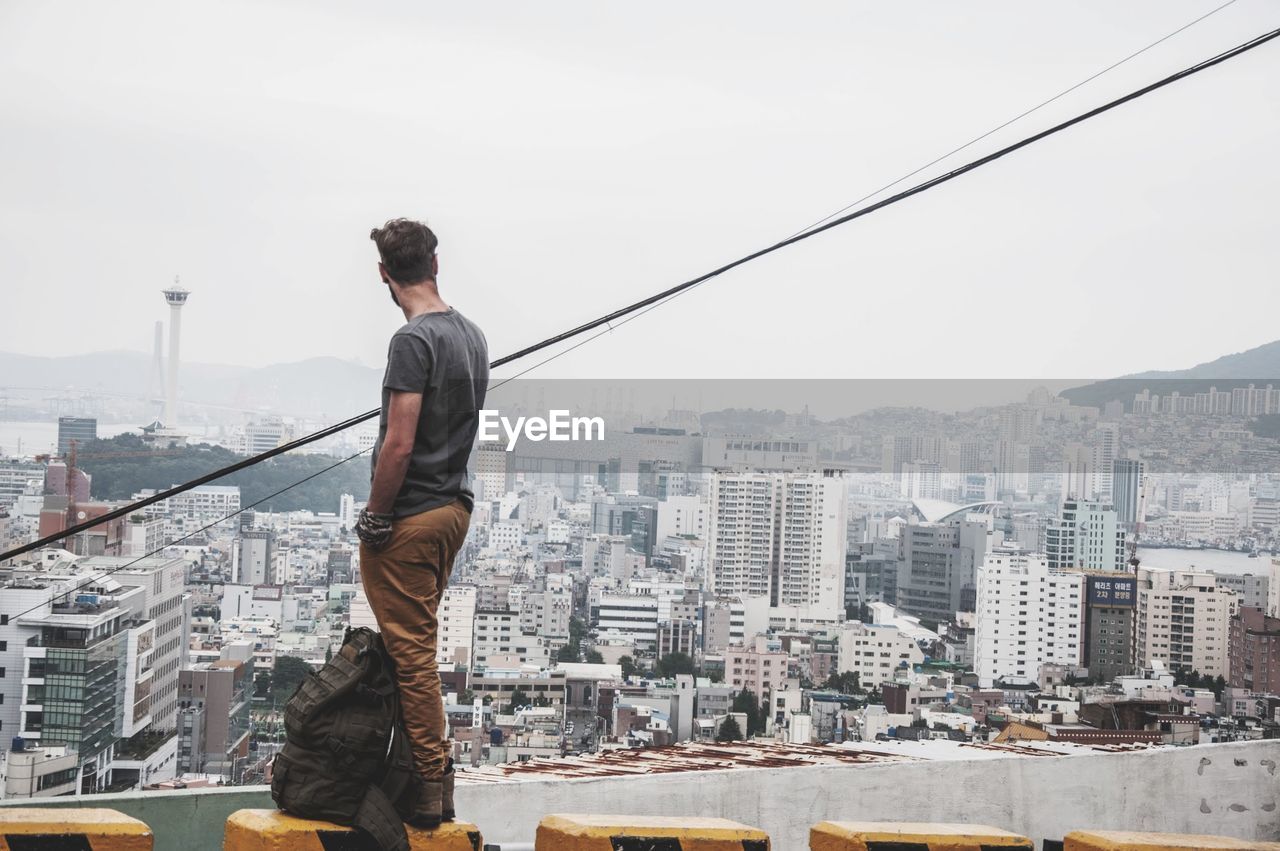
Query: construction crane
[[69, 481], [1134, 561]]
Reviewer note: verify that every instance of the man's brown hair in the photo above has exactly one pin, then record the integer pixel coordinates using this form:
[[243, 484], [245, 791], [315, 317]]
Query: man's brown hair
[[407, 249]]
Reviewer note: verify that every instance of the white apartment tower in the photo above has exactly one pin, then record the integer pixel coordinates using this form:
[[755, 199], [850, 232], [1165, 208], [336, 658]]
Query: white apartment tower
[[457, 615], [1028, 615], [781, 536]]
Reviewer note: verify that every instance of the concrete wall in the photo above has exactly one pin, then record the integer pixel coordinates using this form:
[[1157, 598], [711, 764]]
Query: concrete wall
[[1230, 789]]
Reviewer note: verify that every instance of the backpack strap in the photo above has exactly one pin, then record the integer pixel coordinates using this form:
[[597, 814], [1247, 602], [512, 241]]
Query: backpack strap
[[400, 780], [377, 817]]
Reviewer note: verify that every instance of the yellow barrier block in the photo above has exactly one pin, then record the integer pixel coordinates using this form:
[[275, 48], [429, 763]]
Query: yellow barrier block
[[272, 830], [1124, 840], [39, 828], [646, 833], [911, 836]]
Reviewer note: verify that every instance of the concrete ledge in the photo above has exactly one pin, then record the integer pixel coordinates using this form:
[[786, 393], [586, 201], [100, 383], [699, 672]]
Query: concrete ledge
[[646, 833], [912, 836], [1123, 840], [180, 819], [272, 830], [1224, 790], [52, 829]]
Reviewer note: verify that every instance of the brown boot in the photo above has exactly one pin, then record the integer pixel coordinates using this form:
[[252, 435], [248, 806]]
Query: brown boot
[[446, 793], [427, 814]]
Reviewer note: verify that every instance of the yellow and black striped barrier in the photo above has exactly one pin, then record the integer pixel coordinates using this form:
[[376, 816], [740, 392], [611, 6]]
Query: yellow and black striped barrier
[[49, 829], [910, 836], [1124, 840], [272, 830], [646, 833]]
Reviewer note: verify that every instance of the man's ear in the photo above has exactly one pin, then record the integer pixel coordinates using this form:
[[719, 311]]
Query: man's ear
[[435, 266], [382, 273]]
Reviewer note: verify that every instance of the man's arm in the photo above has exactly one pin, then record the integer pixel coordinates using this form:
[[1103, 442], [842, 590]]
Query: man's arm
[[397, 448]]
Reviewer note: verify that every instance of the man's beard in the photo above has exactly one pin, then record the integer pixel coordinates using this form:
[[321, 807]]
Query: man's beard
[[391, 290]]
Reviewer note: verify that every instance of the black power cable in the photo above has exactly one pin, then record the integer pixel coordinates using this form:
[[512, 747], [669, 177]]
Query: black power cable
[[666, 294]]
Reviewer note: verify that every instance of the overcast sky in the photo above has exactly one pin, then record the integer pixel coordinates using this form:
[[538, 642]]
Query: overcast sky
[[573, 157]]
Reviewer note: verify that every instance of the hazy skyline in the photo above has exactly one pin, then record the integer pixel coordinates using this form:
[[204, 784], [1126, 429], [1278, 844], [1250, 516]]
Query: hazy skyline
[[574, 158]]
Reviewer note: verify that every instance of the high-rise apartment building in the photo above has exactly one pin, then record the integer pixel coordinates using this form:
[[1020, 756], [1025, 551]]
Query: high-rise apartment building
[[1183, 620], [1128, 479], [1254, 651], [456, 616], [780, 536], [1086, 535], [1109, 603], [1028, 615]]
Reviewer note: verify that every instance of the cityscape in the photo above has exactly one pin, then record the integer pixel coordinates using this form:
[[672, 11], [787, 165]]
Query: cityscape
[[949, 521], [1039, 571]]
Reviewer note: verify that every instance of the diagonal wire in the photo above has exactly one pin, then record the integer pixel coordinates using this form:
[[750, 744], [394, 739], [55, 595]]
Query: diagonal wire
[[646, 304], [894, 183], [1018, 117]]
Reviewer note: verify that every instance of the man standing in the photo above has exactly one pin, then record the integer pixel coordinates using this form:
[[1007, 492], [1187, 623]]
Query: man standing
[[421, 499]]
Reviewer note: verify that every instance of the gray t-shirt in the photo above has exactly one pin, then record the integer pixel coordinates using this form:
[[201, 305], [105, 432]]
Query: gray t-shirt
[[445, 357]]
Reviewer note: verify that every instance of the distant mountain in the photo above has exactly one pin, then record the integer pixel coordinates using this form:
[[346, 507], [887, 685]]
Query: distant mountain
[[1258, 366], [318, 387], [1261, 362]]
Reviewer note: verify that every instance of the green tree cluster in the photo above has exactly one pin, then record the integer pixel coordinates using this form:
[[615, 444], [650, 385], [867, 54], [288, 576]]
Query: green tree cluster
[[748, 704], [629, 667], [675, 663], [1195, 679], [846, 682], [519, 698], [729, 730], [123, 465]]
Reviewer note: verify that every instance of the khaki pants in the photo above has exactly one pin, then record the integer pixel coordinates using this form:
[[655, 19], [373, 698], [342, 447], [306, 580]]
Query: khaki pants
[[404, 582]]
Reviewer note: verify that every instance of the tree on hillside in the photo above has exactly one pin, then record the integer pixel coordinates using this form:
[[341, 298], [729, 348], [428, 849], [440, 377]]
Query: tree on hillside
[[123, 465], [729, 730], [594, 657]]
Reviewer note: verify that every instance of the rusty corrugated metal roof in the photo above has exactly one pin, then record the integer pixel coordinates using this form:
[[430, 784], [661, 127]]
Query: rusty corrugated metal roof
[[688, 756]]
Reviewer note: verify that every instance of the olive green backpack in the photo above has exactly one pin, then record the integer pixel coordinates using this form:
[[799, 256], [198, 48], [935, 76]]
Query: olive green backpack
[[346, 758]]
